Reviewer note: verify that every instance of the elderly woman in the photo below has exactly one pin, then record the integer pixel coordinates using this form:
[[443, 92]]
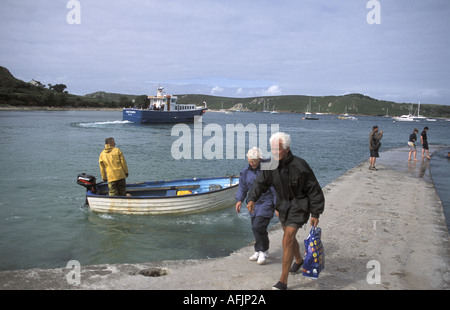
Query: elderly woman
[[264, 206]]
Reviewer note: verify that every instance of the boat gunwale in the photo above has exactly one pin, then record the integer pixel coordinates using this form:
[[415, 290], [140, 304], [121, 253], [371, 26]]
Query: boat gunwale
[[89, 194]]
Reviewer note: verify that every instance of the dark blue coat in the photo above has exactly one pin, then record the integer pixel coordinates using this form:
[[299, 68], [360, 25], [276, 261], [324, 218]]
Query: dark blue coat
[[265, 205]]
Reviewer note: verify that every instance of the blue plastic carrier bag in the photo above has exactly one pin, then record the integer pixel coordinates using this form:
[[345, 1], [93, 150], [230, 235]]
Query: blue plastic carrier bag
[[314, 260]]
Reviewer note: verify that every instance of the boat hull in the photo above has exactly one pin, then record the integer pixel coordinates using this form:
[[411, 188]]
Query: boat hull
[[160, 117], [202, 198], [403, 119], [348, 117]]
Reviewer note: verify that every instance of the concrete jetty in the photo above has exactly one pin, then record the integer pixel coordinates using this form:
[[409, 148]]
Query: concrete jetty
[[381, 230]]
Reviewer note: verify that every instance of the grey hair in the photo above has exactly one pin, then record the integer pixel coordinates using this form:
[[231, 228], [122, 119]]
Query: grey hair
[[254, 153], [284, 138]]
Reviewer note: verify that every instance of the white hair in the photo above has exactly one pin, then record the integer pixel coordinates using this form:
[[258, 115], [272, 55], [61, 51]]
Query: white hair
[[284, 138], [254, 153]]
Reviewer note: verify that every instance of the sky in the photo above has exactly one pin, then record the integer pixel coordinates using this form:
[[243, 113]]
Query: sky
[[394, 50]]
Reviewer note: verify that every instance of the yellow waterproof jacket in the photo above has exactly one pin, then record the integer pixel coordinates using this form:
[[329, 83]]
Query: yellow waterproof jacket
[[113, 165]]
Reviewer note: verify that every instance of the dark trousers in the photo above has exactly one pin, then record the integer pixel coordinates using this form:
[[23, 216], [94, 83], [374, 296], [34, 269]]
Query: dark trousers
[[259, 227], [117, 188]]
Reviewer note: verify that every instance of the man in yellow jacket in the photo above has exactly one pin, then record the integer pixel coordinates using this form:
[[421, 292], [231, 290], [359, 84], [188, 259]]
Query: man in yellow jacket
[[113, 168]]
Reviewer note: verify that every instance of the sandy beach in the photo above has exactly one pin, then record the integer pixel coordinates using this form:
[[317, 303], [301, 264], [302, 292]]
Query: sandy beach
[[388, 223]]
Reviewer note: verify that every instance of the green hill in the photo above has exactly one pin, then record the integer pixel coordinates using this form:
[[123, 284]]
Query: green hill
[[15, 93], [357, 104]]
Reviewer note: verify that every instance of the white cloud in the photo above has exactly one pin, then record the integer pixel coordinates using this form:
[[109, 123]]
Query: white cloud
[[273, 90], [216, 90]]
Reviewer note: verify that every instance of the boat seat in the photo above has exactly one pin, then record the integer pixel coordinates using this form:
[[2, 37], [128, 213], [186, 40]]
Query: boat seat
[[171, 192], [214, 187]]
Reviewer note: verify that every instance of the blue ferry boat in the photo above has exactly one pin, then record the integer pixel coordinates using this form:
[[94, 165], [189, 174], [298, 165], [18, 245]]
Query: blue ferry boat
[[163, 109]]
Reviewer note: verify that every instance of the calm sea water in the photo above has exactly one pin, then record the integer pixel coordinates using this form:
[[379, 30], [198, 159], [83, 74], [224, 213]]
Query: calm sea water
[[440, 171], [43, 220]]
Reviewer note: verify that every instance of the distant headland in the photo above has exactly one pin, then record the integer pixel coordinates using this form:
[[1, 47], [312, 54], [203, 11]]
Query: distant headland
[[16, 94]]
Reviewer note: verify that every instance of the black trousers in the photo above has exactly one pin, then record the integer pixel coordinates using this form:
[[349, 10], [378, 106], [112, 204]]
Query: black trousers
[[259, 227]]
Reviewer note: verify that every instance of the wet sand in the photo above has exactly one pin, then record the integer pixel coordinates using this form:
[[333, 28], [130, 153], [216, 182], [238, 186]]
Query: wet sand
[[388, 222]]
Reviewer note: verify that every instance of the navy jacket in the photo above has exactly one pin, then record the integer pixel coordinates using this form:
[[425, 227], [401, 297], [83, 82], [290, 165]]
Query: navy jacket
[[265, 205]]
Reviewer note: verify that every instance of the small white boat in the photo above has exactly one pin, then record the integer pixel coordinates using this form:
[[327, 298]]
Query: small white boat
[[274, 111], [162, 197], [410, 117], [431, 119], [347, 117], [404, 118]]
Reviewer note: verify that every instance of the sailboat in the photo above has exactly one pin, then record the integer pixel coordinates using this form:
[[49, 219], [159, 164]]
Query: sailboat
[[274, 111], [222, 110], [319, 113], [308, 115], [419, 117], [264, 107]]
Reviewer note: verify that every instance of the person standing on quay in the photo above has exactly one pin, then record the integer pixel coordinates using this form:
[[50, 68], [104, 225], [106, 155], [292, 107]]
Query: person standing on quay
[[374, 146], [264, 207], [412, 144], [113, 168], [299, 195], [424, 141]]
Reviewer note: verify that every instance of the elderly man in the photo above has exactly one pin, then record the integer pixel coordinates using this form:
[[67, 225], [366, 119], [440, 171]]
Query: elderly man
[[113, 168], [299, 195]]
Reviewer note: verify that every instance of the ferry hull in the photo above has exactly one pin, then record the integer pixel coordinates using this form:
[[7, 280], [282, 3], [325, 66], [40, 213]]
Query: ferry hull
[[160, 117]]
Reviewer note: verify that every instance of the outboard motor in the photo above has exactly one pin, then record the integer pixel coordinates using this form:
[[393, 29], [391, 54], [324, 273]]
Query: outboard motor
[[88, 181]]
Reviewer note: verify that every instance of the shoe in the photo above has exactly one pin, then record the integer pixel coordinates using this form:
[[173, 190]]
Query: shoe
[[262, 257], [254, 257], [370, 168], [280, 286], [373, 168], [295, 267]]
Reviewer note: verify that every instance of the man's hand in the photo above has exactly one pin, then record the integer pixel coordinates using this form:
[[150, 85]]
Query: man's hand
[[238, 206], [314, 221], [251, 206]]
